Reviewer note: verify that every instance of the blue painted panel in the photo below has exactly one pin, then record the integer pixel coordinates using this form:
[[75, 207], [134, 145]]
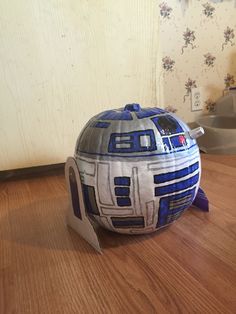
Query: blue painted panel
[[115, 115], [74, 193], [166, 214], [122, 191], [131, 143], [98, 124], [149, 112], [165, 177], [90, 199], [167, 125], [123, 201], [128, 222], [175, 187], [175, 141], [124, 181]]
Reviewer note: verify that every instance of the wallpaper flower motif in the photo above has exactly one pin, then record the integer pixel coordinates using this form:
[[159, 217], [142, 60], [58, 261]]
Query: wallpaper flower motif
[[188, 86], [229, 36], [208, 10], [210, 105], [229, 80], [209, 59], [165, 10], [168, 64], [189, 38], [199, 50]]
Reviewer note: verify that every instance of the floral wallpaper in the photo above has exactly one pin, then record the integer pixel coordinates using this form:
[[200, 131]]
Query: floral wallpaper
[[198, 50]]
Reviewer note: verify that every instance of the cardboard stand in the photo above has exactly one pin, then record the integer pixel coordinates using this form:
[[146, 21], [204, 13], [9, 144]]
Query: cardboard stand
[[77, 218]]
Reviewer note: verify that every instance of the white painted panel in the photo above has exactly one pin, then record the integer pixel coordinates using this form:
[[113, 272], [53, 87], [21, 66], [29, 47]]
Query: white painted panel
[[103, 184], [136, 191], [150, 212], [117, 211], [145, 141], [62, 62], [86, 167]]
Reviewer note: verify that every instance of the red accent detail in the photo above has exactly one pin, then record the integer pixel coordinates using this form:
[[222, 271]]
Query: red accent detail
[[182, 140]]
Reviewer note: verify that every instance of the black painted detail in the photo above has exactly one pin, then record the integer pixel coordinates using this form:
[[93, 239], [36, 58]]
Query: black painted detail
[[90, 199], [128, 222], [74, 193]]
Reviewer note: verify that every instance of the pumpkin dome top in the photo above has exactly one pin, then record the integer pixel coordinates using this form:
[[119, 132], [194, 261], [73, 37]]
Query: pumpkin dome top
[[129, 112], [133, 132]]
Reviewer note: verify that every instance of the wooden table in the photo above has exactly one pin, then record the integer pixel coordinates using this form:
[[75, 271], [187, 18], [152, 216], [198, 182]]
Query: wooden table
[[186, 268]]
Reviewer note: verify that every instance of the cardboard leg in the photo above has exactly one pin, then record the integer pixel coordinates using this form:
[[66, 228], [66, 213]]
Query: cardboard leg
[[77, 218], [201, 201]]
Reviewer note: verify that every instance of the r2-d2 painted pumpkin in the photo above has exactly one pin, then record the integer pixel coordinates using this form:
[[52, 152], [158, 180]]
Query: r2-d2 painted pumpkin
[[139, 168]]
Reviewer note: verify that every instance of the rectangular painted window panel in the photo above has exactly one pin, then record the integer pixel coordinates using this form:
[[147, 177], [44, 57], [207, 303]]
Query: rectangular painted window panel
[[171, 218], [123, 145], [103, 184], [102, 125], [183, 204], [128, 222], [166, 213], [180, 201], [90, 199], [167, 125], [74, 193], [123, 139], [124, 181], [133, 139], [86, 167], [123, 201], [165, 177], [122, 191], [176, 187], [179, 204], [178, 141], [145, 141]]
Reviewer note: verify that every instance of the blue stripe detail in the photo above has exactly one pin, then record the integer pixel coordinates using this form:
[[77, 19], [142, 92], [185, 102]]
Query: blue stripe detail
[[164, 177], [128, 222], [149, 112], [132, 141], [123, 201], [141, 156], [102, 125], [167, 125], [164, 209], [114, 115], [122, 181], [178, 186]]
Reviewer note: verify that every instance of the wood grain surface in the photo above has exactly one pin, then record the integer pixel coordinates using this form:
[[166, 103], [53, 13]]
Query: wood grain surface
[[189, 267]]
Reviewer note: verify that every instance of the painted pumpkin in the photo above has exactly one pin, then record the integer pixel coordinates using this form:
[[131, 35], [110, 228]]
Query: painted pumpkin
[[139, 168]]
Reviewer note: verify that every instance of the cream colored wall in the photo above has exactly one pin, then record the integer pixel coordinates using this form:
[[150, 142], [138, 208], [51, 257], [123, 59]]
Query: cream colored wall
[[64, 61]]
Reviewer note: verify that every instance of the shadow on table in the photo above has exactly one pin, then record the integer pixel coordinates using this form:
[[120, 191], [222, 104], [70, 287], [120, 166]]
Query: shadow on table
[[42, 224]]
